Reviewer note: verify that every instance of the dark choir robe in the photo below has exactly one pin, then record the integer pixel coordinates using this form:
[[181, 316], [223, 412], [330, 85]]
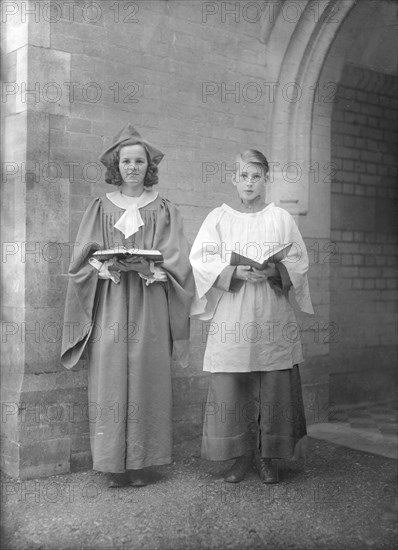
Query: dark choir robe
[[128, 331]]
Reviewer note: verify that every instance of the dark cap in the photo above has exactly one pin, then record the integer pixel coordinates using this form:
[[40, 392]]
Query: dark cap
[[130, 135]]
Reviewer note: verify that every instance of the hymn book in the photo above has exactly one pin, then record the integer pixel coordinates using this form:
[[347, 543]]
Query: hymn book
[[275, 255], [122, 252]]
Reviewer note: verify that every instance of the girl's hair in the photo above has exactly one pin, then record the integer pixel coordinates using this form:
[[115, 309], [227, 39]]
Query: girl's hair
[[113, 176], [251, 156]]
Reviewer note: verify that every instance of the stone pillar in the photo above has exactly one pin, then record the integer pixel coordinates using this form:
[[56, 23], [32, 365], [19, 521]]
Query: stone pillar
[[38, 417]]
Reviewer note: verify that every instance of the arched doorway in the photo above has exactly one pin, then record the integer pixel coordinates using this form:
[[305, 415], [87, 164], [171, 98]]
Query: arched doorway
[[311, 58], [363, 131]]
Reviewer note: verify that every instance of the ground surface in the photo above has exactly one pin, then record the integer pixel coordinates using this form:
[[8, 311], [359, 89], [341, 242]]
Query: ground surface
[[341, 498]]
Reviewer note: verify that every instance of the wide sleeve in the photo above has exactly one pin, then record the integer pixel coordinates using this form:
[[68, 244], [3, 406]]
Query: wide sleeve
[[170, 240], [296, 261], [82, 285], [208, 264]]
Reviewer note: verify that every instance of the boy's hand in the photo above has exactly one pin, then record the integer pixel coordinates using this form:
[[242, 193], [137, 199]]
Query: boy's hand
[[270, 270], [246, 273]]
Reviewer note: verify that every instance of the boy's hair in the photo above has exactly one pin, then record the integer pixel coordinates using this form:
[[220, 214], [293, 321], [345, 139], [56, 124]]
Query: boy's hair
[[251, 156], [113, 176]]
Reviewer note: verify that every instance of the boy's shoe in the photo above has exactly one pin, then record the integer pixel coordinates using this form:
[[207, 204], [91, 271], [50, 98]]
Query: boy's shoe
[[267, 471], [238, 471]]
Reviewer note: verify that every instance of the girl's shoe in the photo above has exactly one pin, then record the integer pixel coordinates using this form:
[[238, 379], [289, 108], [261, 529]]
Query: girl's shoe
[[116, 480], [238, 471], [267, 471], [137, 478]]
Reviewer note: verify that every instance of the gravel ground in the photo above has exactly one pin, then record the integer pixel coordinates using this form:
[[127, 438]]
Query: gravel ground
[[339, 499]]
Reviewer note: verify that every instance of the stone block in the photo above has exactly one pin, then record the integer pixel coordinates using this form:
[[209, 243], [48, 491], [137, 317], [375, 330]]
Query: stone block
[[50, 430], [315, 370], [80, 443], [186, 430], [43, 72], [57, 122], [16, 30], [10, 456], [353, 213], [81, 461], [366, 385], [192, 412], [67, 405], [44, 458], [39, 25], [15, 146], [185, 388], [386, 220], [316, 402], [78, 125], [90, 111], [48, 204]]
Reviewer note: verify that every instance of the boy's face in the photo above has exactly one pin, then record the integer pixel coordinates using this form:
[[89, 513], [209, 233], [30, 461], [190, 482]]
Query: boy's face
[[249, 180]]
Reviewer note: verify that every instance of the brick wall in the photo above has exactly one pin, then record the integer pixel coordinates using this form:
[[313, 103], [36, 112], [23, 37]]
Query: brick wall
[[363, 223]]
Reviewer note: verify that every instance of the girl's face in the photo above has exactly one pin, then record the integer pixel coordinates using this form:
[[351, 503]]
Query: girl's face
[[250, 180], [133, 165]]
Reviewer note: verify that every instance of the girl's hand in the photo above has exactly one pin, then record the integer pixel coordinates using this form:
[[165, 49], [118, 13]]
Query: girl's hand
[[115, 276], [133, 263]]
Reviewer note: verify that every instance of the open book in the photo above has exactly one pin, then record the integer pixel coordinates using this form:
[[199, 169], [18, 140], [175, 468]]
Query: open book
[[275, 255], [122, 252]]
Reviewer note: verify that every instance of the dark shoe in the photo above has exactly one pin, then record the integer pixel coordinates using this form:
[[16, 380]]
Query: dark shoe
[[116, 480], [239, 469], [137, 478], [267, 471]]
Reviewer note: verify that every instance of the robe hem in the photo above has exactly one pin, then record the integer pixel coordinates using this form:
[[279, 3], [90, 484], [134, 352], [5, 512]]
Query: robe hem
[[132, 466], [257, 369], [220, 449]]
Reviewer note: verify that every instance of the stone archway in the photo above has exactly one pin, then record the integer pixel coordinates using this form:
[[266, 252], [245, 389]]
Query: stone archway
[[296, 51], [310, 57], [295, 54], [358, 143]]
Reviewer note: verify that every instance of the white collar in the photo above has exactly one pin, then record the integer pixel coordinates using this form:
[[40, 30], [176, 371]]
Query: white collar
[[130, 222], [248, 213], [124, 201]]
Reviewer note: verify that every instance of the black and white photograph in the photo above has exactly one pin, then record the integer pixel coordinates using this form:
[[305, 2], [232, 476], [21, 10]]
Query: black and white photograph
[[199, 274]]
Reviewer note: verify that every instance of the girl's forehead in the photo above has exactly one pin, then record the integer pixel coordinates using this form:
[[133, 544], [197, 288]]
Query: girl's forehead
[[132, 150]]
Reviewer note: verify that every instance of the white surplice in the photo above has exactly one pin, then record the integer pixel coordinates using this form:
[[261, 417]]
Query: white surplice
[[253, 328]]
